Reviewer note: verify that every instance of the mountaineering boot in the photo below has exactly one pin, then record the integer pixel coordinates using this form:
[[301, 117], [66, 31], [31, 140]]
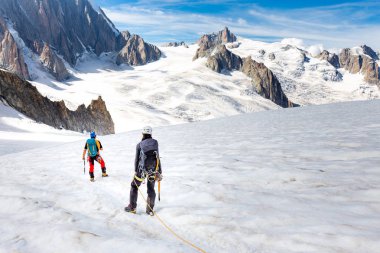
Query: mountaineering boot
[[104, 174], [149, 209], [92, 179], [129, 209]]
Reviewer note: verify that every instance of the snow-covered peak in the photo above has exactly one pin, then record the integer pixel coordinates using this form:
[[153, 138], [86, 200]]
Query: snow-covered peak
[[357, 51], [305, 78]]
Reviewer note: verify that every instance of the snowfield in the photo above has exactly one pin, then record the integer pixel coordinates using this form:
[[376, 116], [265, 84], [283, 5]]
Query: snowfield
[[170, 91], [281, 181]]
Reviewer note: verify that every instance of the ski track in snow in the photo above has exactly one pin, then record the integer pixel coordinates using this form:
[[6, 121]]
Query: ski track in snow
[[282, 181]]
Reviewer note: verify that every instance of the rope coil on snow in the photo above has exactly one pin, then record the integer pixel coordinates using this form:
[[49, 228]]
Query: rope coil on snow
[[167, 227]]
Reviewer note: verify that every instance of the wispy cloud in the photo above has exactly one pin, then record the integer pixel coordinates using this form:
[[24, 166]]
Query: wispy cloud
[[340, 25], [176, 25], [335, 25]]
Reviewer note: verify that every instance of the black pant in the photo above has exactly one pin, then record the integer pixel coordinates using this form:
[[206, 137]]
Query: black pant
[[134, 192]]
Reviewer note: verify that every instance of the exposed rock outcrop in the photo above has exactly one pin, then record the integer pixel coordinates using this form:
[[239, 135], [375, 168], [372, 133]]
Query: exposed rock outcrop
[[265, 82], [225, 36], [224, 59], [352, 63], [53, 64], [370, 52], [137, 52], [272, 56], [333, 59], [262, 52], [126, 35], [11, 58], [370, 70], [176, 44], [25, 98], [356, 60], [364, 64], [209, 41]]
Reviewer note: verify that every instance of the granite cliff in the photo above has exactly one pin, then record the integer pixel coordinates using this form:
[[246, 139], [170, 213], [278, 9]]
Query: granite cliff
[[69, 28]]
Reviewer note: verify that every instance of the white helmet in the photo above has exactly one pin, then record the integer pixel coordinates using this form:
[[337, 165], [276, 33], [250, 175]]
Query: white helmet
[[147, 130]]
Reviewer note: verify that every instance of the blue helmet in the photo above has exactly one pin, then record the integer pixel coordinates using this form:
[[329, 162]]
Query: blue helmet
[[93, 134]]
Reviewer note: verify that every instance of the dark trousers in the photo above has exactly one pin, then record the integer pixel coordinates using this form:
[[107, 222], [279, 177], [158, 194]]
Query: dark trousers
[[134, 192]]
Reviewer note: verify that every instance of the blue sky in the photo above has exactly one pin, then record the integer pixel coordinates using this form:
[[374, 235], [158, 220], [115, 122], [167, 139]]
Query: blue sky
[[333, 23]]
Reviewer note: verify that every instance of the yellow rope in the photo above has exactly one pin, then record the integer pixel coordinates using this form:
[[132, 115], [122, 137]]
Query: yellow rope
[[167, 227]]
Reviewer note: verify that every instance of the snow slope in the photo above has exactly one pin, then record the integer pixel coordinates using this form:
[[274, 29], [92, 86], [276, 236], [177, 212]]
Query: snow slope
[[18, 133], [296, 180]]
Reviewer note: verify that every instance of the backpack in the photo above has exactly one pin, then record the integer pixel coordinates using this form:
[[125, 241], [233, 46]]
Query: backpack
[[148, 158], [92, 147]]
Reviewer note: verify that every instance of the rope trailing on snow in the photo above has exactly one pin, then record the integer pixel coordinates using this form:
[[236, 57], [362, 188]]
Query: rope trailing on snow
[[167, 227]]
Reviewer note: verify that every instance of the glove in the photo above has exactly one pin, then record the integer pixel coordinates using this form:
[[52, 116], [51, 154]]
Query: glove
[[158, 176]]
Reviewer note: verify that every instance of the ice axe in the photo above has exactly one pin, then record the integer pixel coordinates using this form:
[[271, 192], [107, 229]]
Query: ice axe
[[159, 190], [155, 176]]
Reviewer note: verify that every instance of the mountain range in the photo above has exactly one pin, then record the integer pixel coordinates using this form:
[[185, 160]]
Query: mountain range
[[65, 47]]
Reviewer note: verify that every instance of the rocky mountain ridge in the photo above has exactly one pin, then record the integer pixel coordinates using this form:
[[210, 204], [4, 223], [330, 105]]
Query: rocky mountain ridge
[[209, 41], [175, 44], [69, 28], [25, 98], [137, 52], [220, 58], [362, 60]]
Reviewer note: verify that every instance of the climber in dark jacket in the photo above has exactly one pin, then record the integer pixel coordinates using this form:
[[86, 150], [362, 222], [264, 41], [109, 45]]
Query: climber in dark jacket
[[147, 165]]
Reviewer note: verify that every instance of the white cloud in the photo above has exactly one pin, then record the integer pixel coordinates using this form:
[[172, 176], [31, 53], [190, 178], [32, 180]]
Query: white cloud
[[242, 21], [333, 26], [294, 42], [343, 25], [315, 50], [153, 20]]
